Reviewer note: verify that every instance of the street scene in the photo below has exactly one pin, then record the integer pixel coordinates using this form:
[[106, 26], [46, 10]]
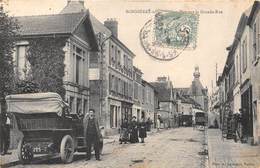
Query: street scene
[[119, 84], [151, 154]]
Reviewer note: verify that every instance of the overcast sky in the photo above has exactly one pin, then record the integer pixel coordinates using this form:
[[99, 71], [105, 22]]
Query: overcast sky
[[215, 32]]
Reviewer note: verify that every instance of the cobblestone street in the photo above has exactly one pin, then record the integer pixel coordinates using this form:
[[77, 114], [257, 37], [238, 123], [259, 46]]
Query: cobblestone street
[[177, 148]]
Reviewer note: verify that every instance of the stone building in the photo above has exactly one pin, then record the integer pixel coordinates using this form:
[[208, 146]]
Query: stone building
[[148, 96], [253, 23], [80, 43], [197, 92], [167, 105], [244, 79], [111, 72], [138, 93]]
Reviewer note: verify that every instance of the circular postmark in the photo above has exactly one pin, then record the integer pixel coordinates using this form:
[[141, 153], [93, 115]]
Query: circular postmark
[[169, 33]]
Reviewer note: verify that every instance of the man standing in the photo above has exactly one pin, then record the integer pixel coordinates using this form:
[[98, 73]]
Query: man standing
[[92, 134]]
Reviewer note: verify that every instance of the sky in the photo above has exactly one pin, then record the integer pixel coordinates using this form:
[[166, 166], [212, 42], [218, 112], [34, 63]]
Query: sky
[[215, 32]]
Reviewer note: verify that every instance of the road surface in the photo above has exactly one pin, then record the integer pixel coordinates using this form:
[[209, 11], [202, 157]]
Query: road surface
[[174, 148]]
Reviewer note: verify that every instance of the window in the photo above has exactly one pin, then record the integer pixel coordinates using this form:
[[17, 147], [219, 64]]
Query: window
[[116, 84], [113, 116], [244, 55], [77, 68], [119, 86], [135, 90], [110, 53], [79, 62], [254, 42], [110, 82], [119, 57], [258, 36], [143, 94], [72, 107], [79, 107], [21, 62], [85, 106], [237, 68], [113, 83]]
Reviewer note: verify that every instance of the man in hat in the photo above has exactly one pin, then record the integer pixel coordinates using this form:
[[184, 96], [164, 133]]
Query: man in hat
[[92, 134]]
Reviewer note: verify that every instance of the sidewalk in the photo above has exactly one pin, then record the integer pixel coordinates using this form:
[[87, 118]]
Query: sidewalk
[[228, 154], [12, 159]]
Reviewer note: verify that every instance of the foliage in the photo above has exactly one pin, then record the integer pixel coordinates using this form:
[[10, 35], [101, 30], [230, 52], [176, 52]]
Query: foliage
[[8, 33], [26, 86], [46, 57]]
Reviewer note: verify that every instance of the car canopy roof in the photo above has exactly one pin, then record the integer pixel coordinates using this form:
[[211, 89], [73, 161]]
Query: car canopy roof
[[35, 103]]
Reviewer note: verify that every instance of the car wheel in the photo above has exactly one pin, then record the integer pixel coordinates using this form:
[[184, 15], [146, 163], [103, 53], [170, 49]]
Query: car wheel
[[67, 149], [25, 152]]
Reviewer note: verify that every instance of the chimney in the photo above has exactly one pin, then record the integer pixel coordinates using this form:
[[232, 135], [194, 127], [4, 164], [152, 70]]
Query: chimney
[[112, 25], [79, 1], [162, 79]]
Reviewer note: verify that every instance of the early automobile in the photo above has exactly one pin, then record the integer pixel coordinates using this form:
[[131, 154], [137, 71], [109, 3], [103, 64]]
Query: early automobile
[[47, 126]]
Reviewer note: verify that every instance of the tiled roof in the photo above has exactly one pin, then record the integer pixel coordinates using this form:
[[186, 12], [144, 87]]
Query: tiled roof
[[49, 24], [76, 7], [99, 27], [182, 91], [196, 88]]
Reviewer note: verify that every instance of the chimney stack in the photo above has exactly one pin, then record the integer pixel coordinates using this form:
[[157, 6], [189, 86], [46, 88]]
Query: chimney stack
[[162, 79], [112, 25], [79, 1]]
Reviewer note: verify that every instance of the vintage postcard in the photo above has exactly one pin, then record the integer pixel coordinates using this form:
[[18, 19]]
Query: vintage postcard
[[130, 83]]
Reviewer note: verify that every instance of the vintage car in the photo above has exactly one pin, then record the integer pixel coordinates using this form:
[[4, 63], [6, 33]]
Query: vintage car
[[47, 126]]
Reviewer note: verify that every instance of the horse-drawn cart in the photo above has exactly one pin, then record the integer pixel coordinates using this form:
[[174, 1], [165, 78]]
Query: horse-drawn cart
[[46, 127]]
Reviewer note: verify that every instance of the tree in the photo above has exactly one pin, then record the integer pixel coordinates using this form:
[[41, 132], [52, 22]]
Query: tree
[[8, 34], [46, 58]]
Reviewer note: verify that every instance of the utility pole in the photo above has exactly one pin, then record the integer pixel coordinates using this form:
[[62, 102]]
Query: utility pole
[[102, 74]]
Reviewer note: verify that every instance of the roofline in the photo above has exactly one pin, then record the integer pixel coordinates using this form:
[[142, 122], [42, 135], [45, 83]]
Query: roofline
[[44, 35], [236, 40], [256, 5], [123, 45], [81, 20], [144, 81]]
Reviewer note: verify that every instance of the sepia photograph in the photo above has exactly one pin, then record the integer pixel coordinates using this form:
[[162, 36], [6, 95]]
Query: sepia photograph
[[129, 84]]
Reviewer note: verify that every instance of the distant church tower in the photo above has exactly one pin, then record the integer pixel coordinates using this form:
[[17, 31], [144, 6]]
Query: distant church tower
[[197, 91]]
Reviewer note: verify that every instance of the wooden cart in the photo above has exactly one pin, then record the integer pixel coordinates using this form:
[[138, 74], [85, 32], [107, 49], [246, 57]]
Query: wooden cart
[[47, 129]]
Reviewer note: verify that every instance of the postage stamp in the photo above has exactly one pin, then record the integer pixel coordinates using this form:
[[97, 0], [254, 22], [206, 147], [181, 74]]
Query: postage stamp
[[169, 33]]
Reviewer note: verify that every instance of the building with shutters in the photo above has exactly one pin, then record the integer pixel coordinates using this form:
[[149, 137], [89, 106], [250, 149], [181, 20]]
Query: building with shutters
[[79, 44], [110, 72]]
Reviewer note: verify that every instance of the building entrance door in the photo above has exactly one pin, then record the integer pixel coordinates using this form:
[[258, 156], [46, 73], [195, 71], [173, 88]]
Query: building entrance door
[[247, 113]]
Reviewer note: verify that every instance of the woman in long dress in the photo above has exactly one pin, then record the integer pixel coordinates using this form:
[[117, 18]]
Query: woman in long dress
[[142, 130], [134, 131]]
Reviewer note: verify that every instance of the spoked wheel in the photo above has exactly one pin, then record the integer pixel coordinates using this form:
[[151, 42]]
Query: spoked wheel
[[25, 152], [67, 149]]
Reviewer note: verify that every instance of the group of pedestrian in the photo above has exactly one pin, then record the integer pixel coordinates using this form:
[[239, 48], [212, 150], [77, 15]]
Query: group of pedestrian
[[133, 130], [4, 133]]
